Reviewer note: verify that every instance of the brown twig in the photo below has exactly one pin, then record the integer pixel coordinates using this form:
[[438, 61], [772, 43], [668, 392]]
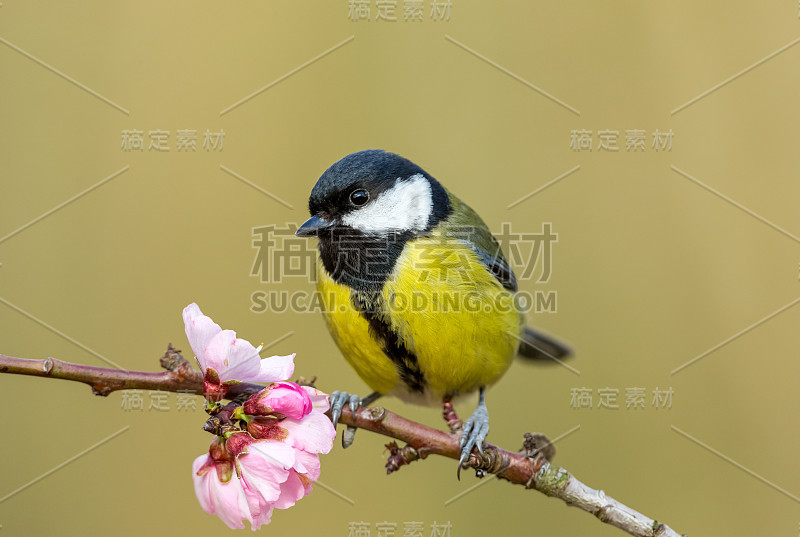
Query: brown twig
[[104, 380], [530, 468]]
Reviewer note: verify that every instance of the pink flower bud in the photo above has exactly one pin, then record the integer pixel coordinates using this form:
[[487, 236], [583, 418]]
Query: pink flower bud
[[286, 398]]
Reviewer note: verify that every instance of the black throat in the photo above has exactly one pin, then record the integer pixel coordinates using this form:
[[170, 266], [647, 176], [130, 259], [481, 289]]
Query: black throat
[[364, 261], [361, 262]]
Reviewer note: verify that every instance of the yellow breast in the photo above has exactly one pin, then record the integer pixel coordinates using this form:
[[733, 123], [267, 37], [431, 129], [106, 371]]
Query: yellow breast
[[453, 316]]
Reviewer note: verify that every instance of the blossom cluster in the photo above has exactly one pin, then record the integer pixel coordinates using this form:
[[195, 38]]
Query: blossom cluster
[[265, 453]]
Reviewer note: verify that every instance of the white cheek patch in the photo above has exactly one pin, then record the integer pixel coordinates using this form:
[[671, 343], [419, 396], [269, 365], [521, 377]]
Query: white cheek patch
[[406, 206]]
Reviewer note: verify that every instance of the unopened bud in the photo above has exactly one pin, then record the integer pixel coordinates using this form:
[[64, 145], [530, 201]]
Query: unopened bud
[[279, 399]]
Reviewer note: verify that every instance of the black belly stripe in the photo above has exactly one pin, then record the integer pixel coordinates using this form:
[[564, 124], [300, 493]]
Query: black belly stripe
[[404, 360]]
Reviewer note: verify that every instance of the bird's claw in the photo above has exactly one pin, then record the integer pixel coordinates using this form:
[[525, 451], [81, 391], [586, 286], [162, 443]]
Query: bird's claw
[[473, 434], [460, 464], [355, 402], [338, 400]]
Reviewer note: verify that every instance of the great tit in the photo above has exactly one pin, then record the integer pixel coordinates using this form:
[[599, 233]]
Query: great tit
[[415, 289]]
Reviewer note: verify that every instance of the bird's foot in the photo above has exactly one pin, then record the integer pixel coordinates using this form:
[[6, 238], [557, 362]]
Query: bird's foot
[[474, 432], [338, 400]]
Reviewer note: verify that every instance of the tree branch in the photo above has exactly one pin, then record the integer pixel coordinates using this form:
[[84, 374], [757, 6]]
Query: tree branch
[[529, 468]]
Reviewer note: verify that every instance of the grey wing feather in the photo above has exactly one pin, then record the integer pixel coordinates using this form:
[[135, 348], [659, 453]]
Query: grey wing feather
[[498, 266]]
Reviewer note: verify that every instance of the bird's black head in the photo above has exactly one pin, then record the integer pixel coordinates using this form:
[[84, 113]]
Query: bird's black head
[[363, 210], [376, 193]]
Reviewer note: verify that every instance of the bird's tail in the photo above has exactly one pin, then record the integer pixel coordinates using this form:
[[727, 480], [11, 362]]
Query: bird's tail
[[538, 346]]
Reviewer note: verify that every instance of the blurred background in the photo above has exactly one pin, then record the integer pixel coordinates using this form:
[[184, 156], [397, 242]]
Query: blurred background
[[142, 143]]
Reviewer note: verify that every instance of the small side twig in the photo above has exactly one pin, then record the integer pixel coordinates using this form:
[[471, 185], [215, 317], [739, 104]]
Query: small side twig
[[399, 456], [535, 443], [172, 359]]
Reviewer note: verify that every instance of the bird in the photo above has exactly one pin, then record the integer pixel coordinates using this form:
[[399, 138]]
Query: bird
[[415, 289]]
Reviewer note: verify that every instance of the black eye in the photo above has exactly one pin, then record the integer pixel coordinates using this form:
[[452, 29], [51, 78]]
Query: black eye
[[359, 197]]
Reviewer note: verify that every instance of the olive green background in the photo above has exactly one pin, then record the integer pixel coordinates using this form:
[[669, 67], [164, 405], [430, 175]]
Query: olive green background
[[651, 269]]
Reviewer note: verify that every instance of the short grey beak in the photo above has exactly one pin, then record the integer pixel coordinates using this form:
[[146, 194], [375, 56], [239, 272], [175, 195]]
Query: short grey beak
[[312, 226]]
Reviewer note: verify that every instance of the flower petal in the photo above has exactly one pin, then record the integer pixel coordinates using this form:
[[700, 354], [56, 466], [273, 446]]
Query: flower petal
[[263, 517], [275, 368], [224, 354], [226, 500], [319, 400], [264, 468], [291, 491], [230, 502], [308, 464], [314, 433], [201, 483], [243, 362], [200, 330]]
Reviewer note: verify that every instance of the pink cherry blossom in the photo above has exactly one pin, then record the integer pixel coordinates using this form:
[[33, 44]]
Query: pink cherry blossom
[[246, 478], [218, 489], [266, 456], [226, 359]]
